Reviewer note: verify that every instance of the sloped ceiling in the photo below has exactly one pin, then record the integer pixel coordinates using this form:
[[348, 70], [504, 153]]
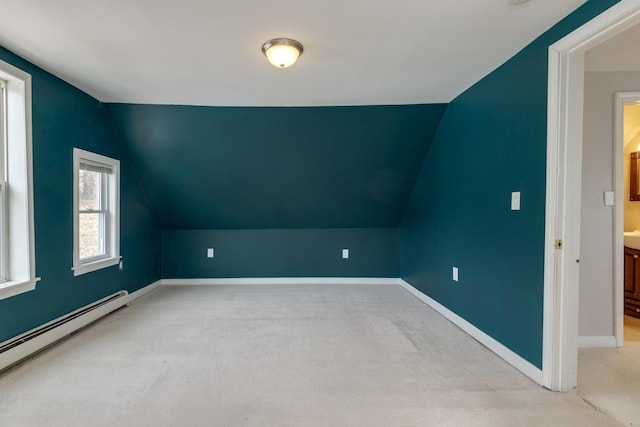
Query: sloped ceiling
[[259, 167]]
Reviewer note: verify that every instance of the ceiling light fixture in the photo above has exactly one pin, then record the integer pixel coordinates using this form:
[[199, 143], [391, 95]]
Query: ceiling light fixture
[[282, 52]]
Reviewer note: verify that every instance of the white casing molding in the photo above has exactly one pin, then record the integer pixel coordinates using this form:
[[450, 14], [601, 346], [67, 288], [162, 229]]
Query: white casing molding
[[508, 355], [285, 281], [597, 342], [505, 353], [563, 189], [33, 346], [144, 291]]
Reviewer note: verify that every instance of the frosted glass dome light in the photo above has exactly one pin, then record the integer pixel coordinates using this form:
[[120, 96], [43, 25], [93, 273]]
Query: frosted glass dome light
[[282, 52]]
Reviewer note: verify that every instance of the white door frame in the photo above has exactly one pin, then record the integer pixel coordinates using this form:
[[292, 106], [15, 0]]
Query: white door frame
[[564, 184]]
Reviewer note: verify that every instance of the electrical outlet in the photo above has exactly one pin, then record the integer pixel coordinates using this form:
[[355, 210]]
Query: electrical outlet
[[120, 265], [455, 274], [210, 253], [345, 253]]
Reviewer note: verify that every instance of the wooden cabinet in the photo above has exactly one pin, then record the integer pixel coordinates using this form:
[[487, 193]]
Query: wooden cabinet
[[632, 282]]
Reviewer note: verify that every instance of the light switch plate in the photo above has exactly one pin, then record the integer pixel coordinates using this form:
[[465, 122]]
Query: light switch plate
[[345, 253], [455, 274], [608, 198], [210, 253], [515, 201]]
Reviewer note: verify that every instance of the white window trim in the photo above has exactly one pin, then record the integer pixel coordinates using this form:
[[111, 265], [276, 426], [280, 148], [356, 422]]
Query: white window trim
[[20, 261], [113, 229]]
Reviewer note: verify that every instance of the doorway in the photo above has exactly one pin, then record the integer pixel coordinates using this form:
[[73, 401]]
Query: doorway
[[606, 371], [564, 184], [627, 114]]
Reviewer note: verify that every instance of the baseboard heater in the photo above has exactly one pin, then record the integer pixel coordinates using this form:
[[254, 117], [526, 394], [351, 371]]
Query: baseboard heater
[[16, 349]]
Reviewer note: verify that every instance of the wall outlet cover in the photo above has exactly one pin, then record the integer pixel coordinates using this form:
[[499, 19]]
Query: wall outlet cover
[[345, 253], [455, 274], [515, 201], [210, 253]]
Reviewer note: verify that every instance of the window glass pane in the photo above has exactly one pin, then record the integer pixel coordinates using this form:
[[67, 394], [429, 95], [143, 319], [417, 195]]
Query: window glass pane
[[91, 232], [89, 196], [3, 242]]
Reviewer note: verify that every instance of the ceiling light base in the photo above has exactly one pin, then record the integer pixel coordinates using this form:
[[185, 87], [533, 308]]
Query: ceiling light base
[[282, 52]]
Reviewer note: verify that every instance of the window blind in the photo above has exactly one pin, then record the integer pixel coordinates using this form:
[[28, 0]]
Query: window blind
[[90, 166]]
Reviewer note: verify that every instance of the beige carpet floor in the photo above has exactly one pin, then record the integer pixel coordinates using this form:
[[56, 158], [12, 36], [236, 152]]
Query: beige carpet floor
[[281, 355], [609, 379]]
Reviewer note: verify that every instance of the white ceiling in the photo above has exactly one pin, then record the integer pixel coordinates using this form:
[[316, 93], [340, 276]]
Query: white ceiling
[[207, 52], [619, 53]]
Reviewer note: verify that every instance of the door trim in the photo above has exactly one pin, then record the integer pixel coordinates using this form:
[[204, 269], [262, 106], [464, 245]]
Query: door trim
[[564, 183]]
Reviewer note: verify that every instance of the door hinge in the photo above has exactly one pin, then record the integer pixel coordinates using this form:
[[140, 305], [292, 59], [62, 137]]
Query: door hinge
[[558, 244]]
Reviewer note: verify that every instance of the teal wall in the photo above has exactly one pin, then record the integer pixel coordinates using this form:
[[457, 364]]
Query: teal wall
[[280, 253], [280, 167], [491, 141], [283, 200], [63, 118]]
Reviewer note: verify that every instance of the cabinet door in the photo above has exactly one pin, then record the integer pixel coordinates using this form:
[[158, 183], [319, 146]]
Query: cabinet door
[[630, 259], [635, 291]]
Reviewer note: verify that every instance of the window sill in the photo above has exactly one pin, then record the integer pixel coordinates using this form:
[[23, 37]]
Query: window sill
[[95, 265], [13, 288]]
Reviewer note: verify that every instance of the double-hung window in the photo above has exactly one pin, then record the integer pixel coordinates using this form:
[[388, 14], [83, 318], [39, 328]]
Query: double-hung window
[[3, 183], [17, 260], [96, 211]]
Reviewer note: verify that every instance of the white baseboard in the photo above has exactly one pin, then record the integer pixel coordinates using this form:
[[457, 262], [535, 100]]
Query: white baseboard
[[508, 355], [27, 348], [597, 342], [285, 281], [144, 291]]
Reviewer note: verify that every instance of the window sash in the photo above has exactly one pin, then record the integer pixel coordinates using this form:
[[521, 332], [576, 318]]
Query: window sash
[[103, 199], [4, 244], [105, 208], [102, 241], [103, 211], [19, 250], [3, 128]]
